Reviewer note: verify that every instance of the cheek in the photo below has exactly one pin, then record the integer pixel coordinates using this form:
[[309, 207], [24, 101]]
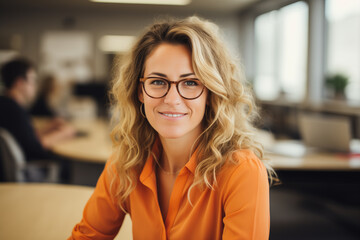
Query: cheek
[[150, 113], [32, 90], [149, 105], [200, 106], [200, 111]]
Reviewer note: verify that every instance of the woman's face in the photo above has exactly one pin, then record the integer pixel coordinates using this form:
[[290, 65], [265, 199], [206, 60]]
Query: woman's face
[[173, 116]]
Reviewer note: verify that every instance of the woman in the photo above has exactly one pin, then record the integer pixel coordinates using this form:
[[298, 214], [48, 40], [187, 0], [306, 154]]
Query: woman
[[184, 164], [44, 104]]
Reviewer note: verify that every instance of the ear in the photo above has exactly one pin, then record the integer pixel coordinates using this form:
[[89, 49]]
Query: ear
[[140, 93]]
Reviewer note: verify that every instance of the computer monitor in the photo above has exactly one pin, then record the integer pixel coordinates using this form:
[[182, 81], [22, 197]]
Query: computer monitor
[[332, 133]]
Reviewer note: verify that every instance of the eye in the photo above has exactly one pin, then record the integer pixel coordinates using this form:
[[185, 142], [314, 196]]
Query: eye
[[191, 83], [157, 82]]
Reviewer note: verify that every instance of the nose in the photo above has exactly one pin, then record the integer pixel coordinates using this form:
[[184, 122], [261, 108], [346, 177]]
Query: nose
[[172, 97]]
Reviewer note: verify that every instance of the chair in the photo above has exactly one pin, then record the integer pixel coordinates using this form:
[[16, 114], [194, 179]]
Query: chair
[[16, 169]]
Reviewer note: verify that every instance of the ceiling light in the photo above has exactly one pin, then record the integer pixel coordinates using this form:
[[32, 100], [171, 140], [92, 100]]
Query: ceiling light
[[116, 43], [154, 2]]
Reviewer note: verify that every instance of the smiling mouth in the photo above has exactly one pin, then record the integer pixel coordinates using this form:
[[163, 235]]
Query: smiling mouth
[[173, 115]]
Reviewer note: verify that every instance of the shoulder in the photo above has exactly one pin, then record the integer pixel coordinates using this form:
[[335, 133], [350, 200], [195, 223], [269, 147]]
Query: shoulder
[[244, 196], [113, 179], [242, 160], [243, 167], [7, 101], [13, 116], [110, 170], [10, 106]]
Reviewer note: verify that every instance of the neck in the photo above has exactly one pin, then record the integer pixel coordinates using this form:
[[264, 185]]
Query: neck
[[176, 153], [16, 96]]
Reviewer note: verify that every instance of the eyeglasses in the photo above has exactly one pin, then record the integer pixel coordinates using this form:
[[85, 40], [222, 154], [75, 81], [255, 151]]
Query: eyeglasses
[[158, 87]]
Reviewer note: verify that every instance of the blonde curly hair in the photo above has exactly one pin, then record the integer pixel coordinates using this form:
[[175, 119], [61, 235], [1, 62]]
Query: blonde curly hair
[[228, 119]]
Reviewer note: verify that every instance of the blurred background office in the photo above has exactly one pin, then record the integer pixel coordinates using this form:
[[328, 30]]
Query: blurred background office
[[302, 59]]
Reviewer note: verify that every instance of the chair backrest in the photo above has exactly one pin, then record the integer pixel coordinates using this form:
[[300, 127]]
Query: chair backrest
[[13, 159]]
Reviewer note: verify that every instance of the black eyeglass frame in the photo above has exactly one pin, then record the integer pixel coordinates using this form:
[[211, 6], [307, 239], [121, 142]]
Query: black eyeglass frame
[[142, 80]]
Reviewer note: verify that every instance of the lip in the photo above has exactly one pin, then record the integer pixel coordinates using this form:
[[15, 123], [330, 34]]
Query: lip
[[172, 115]]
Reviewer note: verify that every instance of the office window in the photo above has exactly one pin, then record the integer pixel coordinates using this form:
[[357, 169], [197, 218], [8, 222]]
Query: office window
[[343, 46], [281, 52]]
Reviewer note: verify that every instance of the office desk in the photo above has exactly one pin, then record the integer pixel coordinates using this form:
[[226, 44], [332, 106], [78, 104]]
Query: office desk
[[86, 153], [315, 161], [89, 153], [93, 146], [44, 211], [294, 155]]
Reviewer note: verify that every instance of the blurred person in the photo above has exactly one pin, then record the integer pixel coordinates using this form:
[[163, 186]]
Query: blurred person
[[19, 78], [185, 164], [44, 105]]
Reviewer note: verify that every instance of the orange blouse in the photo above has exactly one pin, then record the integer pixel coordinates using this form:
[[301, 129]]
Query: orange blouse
[[237, 207]]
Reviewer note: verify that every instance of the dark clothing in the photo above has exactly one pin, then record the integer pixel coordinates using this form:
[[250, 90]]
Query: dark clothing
[[42, 108], [17, 121]]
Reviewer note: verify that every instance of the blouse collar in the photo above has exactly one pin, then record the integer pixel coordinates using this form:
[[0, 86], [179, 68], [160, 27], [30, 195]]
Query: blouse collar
[[149, 167]]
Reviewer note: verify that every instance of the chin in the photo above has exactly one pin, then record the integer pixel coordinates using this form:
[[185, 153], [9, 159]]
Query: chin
[[170, 135], [177, 133]]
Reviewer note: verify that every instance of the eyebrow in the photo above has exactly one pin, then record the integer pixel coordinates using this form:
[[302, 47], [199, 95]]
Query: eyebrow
[[164, 75]]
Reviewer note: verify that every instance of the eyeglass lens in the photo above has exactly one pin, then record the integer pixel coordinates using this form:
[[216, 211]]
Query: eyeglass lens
[[188, 88]]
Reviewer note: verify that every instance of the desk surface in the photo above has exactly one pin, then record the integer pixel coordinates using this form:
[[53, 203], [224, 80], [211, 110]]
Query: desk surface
[[44, 211], [94, 146], [315, 161]]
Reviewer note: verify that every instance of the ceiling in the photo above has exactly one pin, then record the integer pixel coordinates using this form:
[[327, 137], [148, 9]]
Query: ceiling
[[212, 6]]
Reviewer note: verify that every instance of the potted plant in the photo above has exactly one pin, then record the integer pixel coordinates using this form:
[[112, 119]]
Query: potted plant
[[337, 84]]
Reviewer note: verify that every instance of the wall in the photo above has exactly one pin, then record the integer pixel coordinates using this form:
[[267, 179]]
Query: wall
[[28, 26]]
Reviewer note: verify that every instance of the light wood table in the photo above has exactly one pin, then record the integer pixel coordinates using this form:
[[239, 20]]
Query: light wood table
[[294, 155], [322, 161], [94, 146], [87, 153], [44, 211]]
